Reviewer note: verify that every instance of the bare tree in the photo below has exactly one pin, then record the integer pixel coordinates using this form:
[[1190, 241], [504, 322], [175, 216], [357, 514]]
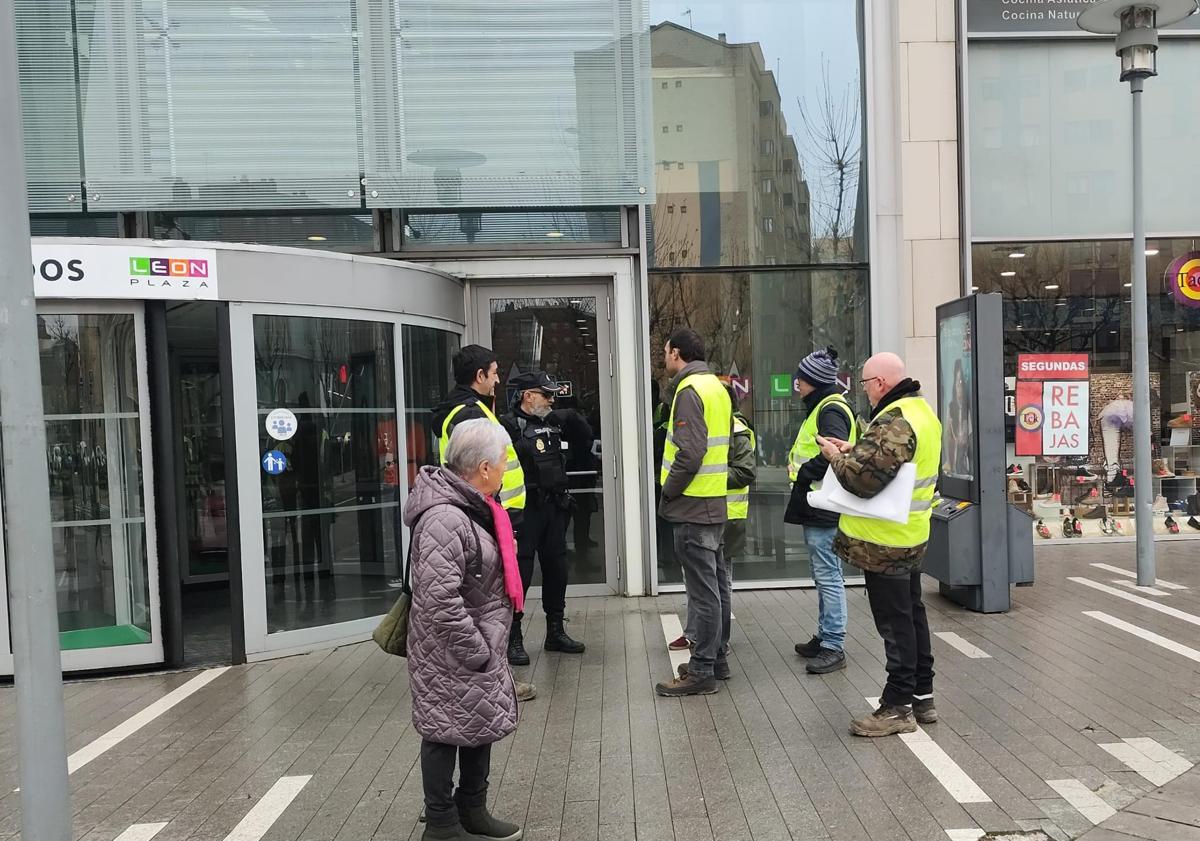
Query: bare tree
[[833, 150]]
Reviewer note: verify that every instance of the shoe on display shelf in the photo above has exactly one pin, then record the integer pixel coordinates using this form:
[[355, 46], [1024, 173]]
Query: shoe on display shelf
[[1106, 525], [1183, 421], [1119, 528], [1172, 526], [1044, 531], [1194, 523], [1015, 470], [1068, 530], [1076, 527], [1161, 470]]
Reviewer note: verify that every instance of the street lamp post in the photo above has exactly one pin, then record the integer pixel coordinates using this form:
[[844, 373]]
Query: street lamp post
[[1135, 24]]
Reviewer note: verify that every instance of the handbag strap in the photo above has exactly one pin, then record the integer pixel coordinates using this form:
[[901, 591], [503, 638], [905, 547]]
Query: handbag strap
[[474, 563]]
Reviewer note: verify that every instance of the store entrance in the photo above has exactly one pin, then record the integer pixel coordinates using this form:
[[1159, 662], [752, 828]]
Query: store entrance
[[199, 456]]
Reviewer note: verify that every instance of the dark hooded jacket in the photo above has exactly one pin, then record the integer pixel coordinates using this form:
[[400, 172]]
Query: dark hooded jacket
[[831, 423], [464, 396], [462, 687]]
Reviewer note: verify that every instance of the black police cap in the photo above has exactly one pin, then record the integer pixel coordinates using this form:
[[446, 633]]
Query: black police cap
[[534, 380]]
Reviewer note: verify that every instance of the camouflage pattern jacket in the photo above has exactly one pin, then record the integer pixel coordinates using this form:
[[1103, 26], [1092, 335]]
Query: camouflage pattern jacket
[[867, 469]]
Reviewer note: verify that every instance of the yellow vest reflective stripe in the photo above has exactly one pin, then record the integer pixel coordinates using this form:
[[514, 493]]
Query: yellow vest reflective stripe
[[805, 447], [512, 486], [738, 500], [710, 479], [928, 430]]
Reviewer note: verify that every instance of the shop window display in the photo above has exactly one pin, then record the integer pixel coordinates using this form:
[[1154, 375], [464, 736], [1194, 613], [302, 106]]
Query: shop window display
[[1068, 367]]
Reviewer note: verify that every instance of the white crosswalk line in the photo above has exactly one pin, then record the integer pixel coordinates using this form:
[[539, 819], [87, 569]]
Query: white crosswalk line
[[673, 630], [1133, 585], [266, 811], [1148, 636], [131, 725], [1166, 585], [965, 834], [1085, 801], [1147, 757], [141, 832], [953, 639], [1130, 597], [944, 769], [1164, 756]]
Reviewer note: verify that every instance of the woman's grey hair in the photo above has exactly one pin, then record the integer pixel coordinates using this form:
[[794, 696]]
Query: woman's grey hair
[[476, 441]]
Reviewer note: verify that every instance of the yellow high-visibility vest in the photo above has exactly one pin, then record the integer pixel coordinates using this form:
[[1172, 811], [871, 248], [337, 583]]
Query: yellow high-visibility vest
[[512, 487], [915, 532], [805, 447], [710, 479], [738, 500]]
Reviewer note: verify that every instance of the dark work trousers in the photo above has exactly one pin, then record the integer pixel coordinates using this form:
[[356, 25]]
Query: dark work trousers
[[700, 550], [900, 619], [544, 532], [437, 776]]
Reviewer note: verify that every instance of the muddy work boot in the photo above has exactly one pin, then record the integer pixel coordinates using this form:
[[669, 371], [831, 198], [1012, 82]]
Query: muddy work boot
[[721, 670], [924, 711], [885, 721], [525, 691], [557, 639], [689, 685]]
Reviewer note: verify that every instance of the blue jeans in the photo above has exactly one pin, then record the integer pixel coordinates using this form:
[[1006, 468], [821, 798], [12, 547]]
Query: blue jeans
[[831, 587]]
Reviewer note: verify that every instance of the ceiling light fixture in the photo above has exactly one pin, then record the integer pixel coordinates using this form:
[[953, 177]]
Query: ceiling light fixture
[[1017, 255], [316, 238], [1127, 285], [1008, 274], [554, 234], [1050, 286], [1150, 252]]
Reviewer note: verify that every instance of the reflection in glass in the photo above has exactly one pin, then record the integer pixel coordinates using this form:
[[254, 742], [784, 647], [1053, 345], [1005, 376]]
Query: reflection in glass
[[757, 326], [1073, 298], [329, 519], [427, 379], [541, 227], [758, 133], [94, 462], [559, 336]]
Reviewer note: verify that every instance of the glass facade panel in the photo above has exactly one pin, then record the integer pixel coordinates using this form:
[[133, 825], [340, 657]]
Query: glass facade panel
[[538, 227], [331, 517], [328, 231], [428, 378], [757, 108], [1050, 140], [94, 460], [79, 225], [757, 326], [1073, 298]]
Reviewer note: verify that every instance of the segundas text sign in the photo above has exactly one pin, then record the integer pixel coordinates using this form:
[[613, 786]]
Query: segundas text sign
[[123, 271]]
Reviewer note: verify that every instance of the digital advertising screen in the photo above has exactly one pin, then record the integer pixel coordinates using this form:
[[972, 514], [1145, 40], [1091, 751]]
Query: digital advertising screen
[[956, 397]]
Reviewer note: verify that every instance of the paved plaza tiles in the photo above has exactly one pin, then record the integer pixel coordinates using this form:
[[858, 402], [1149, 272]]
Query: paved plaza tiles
[[1077, 714]]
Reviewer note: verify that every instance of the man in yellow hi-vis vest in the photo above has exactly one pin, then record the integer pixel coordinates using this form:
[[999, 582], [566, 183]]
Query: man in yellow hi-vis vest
[[694, 473], [829, 415], [903, 428]]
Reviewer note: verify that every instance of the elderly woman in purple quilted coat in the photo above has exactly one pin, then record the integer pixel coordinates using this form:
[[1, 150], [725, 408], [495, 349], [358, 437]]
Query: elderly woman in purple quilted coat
[[462, 689]]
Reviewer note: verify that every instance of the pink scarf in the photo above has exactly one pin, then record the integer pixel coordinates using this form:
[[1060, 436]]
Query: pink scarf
[[508, 555]]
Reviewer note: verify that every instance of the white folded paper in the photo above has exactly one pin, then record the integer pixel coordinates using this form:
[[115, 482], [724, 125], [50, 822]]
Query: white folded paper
[[892, 503]]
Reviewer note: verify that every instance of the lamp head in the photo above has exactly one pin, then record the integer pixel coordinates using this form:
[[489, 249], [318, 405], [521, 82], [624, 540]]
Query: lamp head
[[1135, 23]]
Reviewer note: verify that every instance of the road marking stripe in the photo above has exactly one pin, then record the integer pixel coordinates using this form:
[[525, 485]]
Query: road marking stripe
[[1085, 801], [141, 831], [673, 630], [965, 834], [1133, 585], [1164, 756], [266, 811], [974, 652], [1159, 769], [130, 726], [1166, 585], [947, 772], [1149, 636], [1129, 597]]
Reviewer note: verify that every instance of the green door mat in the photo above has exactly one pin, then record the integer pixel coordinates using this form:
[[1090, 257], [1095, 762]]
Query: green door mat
[[102, 637]]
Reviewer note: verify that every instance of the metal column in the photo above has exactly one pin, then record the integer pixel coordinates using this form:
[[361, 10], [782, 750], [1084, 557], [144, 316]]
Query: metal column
[[1142, 481], [37, 661]]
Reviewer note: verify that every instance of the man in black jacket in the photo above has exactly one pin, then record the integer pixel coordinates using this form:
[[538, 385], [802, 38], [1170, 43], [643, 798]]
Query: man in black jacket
[[829, 416]]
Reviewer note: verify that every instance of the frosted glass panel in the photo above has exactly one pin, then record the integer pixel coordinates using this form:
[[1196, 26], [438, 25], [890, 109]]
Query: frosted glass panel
[[532, 103], [1050, 147], [47, 78], [199, 104]]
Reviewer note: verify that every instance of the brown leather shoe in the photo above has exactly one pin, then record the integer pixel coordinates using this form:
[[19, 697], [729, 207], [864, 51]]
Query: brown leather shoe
[[690, 685], [885, 721]]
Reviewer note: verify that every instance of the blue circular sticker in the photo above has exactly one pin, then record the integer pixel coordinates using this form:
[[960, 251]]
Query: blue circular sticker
[[274, 462]]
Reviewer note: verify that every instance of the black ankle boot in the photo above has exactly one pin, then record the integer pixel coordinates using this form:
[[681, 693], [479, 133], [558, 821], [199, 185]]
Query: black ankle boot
[[557, 639], [517, 655]]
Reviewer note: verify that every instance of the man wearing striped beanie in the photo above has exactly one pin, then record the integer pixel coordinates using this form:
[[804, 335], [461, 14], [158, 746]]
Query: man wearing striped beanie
[[828, 415]]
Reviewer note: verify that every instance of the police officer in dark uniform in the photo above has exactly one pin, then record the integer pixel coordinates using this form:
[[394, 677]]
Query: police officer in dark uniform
[[540, 435]]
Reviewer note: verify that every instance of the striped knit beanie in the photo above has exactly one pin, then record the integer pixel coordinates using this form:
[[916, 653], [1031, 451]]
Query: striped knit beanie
[[819, 368]]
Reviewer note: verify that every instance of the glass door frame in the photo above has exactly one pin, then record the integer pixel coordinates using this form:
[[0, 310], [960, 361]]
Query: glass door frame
[[568, 287], [260, 644], [119, 656]]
